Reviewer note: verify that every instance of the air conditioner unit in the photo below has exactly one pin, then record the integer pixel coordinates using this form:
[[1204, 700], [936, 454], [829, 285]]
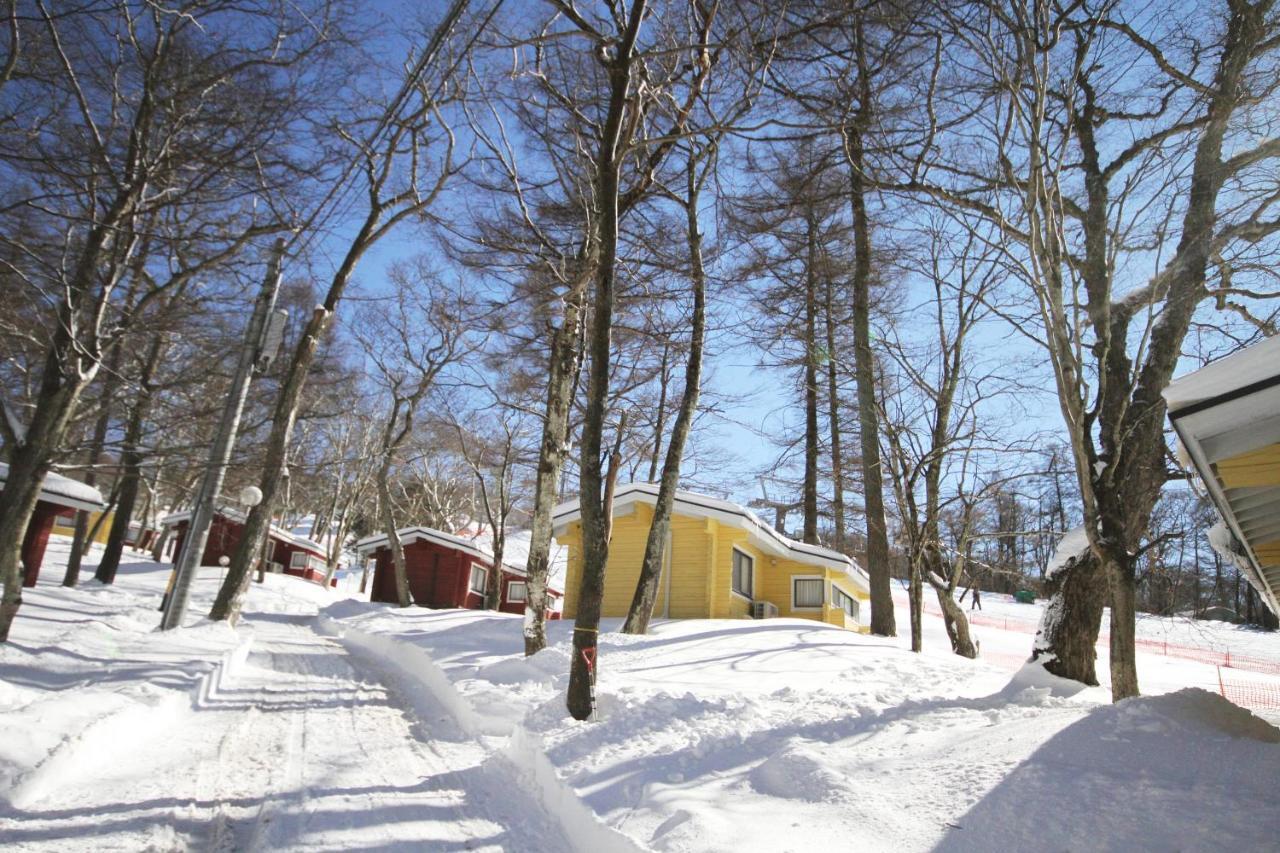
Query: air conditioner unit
[[275, 568], [764, 610]]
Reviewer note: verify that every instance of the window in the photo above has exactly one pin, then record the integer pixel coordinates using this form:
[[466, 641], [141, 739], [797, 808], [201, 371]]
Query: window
[[844, 601], [515, 591], [478, 576], [743, 568], [806, 592], [303, 560]]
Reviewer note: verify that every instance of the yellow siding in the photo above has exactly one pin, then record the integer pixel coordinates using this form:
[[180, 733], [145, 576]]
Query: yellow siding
[[701, 572], [65, 525], [626, 553], [730, 605], [690, 541]]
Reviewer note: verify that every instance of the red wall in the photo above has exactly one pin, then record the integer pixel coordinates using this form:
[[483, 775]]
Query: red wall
[[37, 538], [439, 576], [224, 536]]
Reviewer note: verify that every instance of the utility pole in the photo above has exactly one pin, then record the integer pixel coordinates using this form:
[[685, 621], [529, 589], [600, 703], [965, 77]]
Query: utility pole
[[264, 328]]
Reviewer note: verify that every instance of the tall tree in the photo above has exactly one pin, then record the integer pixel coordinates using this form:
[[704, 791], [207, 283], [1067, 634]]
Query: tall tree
[[122, 112], [1124, 209], [699, 166], [406, 157]]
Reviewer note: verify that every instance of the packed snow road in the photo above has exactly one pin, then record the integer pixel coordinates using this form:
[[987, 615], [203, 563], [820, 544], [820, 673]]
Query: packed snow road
[[297, 748]]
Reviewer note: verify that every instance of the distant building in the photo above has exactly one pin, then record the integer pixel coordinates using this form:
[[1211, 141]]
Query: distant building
[[721, 562], [289, 553], [59, 496], [444, 570], [1227, 416]]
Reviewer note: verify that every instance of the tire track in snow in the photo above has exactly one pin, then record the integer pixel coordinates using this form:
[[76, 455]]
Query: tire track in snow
[[299, 749]]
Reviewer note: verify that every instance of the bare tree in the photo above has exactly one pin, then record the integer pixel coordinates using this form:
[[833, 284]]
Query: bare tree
[[405, 160], [492, 456], [104, 139], [935, 427], [1124, 210], [699, 167]]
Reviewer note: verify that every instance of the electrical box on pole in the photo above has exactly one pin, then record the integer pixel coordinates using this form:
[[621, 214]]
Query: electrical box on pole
[[272, 338]]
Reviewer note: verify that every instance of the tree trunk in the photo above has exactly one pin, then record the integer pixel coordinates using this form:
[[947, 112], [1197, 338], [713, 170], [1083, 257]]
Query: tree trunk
[[833, 416], [131, 466], [1068, 634], [882, 618], [809, 494], [1124, 665], [660, 422], [562, 368], [393, 537], [493, 595], [82, 539], [915, 606], [646, 595], [29, 461], [595, 542], [956, 622]]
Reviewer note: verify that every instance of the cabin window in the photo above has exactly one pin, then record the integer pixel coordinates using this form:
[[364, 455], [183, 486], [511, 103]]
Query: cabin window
[[478, 576], [303, 560], [806, 592], [844, 601], [743, 569], [516, 591]]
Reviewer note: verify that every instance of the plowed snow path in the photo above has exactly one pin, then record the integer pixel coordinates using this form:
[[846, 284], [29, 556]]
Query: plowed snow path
[[298, 749]]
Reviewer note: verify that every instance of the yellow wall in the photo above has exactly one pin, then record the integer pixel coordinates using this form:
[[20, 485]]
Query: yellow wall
[[701, 570], [66, 526]]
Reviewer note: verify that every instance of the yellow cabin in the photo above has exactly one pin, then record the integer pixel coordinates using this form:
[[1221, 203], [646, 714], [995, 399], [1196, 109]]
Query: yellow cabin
[[721, 562]]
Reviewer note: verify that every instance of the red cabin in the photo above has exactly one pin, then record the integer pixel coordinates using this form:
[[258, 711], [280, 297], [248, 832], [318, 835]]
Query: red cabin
[[289, 554], [59, 496], [445, 571]]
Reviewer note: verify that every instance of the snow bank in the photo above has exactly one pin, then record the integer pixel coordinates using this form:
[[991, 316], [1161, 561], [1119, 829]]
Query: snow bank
[[1183, 771], [125, 723], [785, 734], [417, 678]]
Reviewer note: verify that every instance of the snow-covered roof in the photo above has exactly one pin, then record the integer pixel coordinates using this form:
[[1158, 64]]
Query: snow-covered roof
[[274, 531], [1232, 373], [64, 491], [1227, 417], [475, 547], [705, 506]]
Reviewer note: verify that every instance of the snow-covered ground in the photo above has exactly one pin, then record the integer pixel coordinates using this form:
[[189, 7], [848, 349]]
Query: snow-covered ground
[[269, 736], [372, 727]]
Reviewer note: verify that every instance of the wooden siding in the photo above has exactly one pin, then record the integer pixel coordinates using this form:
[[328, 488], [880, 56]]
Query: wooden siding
[[36, 539], [701, 569], [440, 577], [1259, 467]]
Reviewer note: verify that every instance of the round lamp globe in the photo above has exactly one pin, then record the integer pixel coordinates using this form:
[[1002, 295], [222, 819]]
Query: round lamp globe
[[251, 496]]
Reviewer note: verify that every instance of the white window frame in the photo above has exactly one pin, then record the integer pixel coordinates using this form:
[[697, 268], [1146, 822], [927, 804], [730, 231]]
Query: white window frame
[[293, 559], [524, 594], [822, 586], [752, 562], [484, 579]]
